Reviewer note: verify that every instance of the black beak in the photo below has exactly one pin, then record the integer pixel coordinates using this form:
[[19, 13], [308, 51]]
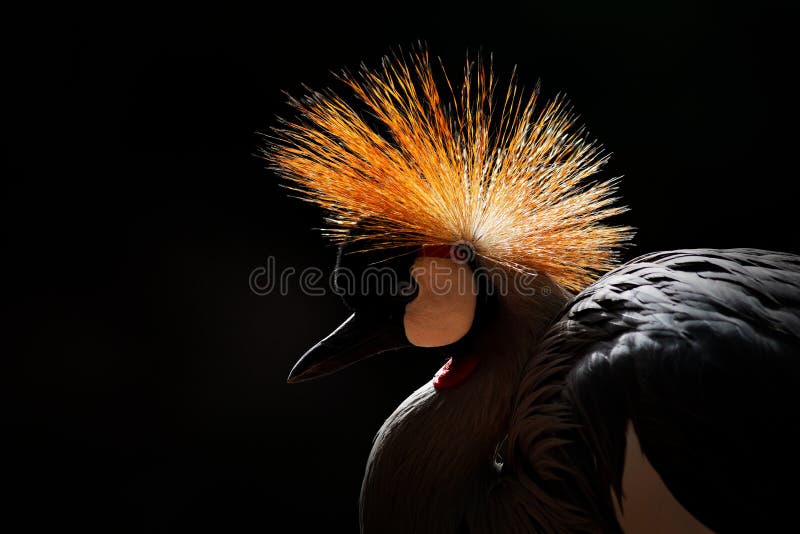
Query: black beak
[[362, 335]]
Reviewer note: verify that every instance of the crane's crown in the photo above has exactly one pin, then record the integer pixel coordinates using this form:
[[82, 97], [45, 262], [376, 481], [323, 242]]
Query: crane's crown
[[415, 166]]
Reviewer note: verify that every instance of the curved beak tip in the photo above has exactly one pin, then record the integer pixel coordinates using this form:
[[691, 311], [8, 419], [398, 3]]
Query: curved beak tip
[[300, 372], [294, 378], [355, 339]]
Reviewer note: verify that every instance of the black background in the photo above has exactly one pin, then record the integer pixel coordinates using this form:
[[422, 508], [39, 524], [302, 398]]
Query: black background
[[146, 391]]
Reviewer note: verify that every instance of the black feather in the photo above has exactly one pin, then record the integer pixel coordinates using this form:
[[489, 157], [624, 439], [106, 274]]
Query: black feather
[[700, 350]]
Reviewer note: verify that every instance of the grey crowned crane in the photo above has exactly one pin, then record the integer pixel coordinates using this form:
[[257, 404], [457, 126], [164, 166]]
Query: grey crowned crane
[[660, 398]]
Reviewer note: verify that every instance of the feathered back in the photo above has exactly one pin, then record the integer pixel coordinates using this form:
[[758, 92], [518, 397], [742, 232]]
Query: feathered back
[[419, 168]]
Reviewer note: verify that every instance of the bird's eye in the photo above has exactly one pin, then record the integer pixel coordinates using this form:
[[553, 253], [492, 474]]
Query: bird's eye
[[462, 253]]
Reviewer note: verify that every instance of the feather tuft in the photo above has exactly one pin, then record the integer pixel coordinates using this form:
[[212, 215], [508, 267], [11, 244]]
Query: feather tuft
[[421, 167]]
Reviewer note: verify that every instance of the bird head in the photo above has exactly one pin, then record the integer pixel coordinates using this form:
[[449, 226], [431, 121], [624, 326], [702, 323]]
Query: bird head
[[425, 297], [426, 190]]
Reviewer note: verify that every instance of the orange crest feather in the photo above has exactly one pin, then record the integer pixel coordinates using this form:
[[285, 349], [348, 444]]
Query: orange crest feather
[[511, 183]]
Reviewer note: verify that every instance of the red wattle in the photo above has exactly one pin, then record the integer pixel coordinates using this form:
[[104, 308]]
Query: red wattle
[[436, 251], [453, 372]]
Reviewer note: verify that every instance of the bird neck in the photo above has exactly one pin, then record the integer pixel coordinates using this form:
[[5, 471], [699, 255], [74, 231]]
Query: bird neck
[[434, 459]]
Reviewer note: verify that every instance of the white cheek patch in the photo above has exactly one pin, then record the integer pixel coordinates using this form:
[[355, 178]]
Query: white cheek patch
[[443, 311]]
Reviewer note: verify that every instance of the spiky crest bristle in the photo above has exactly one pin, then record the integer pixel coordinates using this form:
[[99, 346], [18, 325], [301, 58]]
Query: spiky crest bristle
[[446, 170]]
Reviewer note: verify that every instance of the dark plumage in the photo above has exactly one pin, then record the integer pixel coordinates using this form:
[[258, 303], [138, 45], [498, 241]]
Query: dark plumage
[[700, 350], [692, 357]]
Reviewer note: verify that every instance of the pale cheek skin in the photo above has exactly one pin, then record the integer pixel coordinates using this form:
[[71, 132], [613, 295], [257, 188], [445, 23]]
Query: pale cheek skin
[[444, 308]]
